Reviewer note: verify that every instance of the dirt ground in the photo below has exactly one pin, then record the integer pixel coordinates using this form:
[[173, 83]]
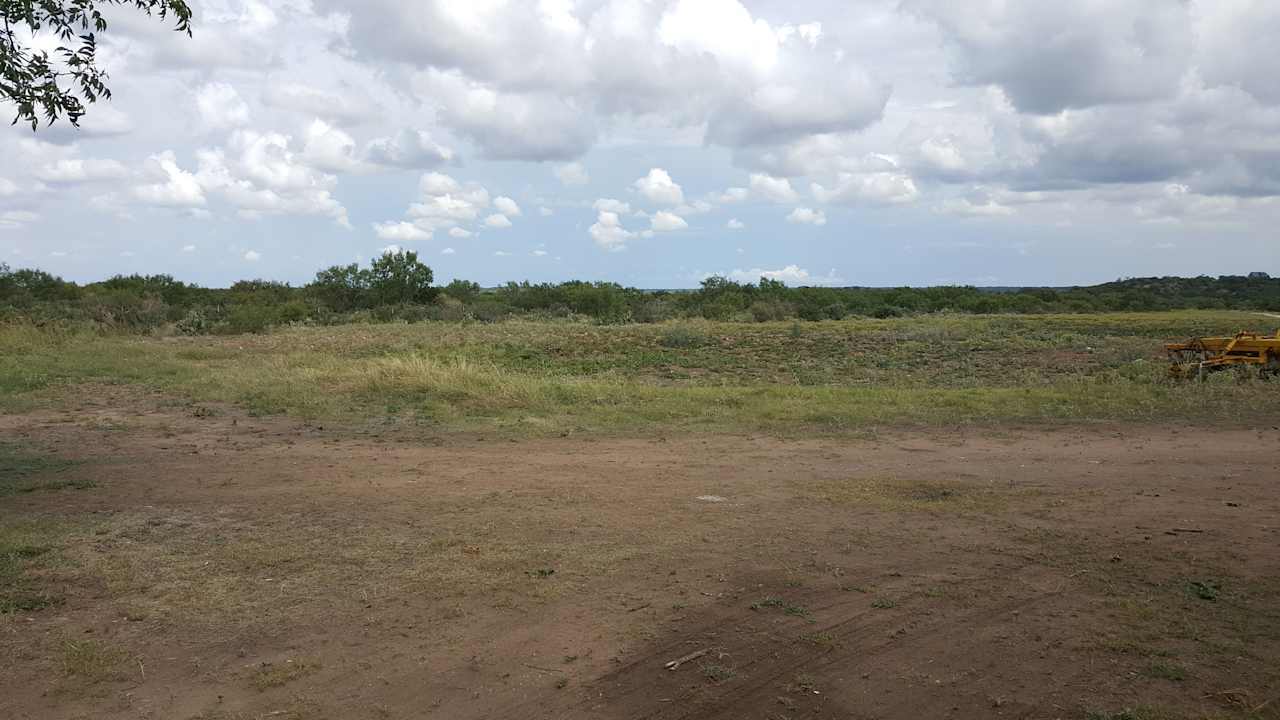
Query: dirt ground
[[225, 566]]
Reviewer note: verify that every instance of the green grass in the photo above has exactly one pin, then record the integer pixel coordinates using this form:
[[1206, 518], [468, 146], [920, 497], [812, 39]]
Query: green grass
[[25, 471], [27, 548], [542, 378]]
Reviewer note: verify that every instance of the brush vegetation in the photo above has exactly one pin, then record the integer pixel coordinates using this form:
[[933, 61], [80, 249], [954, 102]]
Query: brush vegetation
[[397, 287]]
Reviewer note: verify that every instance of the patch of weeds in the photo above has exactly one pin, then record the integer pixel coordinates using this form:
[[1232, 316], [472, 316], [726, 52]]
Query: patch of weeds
[[18, 554], [92, 661], [768, 602], [884, 603], [856, 588], [680, 336], [796, 611], [272, 676], [1165, 671], [718, 673], [1207, 590], [541, 572], [776, 602], [22, 471], [821, 639]]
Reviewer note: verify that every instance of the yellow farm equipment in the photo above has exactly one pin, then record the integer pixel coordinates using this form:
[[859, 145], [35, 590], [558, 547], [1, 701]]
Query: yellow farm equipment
[[1200, 356]]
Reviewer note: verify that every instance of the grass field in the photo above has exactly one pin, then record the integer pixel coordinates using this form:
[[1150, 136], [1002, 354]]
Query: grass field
[[541, 378]]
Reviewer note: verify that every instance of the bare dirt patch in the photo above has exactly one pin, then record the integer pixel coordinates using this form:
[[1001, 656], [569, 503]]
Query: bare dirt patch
[[195, 562]]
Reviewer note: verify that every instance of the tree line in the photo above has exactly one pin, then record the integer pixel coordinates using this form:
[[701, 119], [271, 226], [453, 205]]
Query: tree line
[[398, 287]]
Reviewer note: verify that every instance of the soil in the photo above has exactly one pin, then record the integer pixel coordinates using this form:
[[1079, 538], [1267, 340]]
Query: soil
[[967, 573]]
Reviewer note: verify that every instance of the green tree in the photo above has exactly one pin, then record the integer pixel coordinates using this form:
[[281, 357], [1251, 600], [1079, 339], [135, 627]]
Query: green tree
[[40, 85], [342, 288], [400, 278], [462, 290]]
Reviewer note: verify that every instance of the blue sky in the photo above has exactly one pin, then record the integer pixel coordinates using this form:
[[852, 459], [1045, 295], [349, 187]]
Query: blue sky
[[654, 142]]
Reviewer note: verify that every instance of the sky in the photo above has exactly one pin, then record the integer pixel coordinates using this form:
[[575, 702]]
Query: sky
[[656, 142]]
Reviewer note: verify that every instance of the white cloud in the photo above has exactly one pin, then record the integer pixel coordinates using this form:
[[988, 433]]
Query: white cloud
[[773, 189], [612, 205], [412, 149], [446, 202], [572, 174], [391, 250], [252, 256], [658, 187], [77, 170], [733, 196], [400, 232], [514, 125], [328, 148], [967, 208], [792, 275], [546, 211], [220, 106], [177, 188], [878, 188], [497, 222], [667, 222], [448, 251], [539, 253], [8, 187], [735, 224], [807, 216], [12, 219], [608, 232], [506, 206], [501, 253], [697, 207], [459, 233], [188, 248]]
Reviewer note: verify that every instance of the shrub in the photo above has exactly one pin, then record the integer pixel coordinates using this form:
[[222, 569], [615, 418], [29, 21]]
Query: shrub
[[251, 318], [197, 321], [771, 309], [682, 336]]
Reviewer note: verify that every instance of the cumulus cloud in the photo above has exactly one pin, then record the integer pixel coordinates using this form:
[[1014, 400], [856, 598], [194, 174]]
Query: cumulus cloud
[[410, 149], [508, 125], [400, 232], [613, 206], [658, 187], [807, 216], [221, 107], [497, 221], [506, 206], [773, 189], [252, 256], [445, 202], [175, 187], [735, 224], [460, 233], [608, 233], [883, 188], [666, 222]]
